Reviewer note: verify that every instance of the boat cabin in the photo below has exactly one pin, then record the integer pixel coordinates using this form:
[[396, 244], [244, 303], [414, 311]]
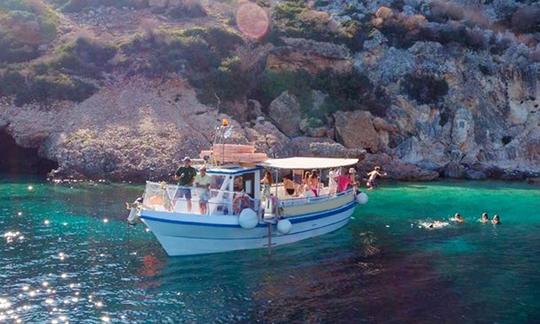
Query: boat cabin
[[232, 188]]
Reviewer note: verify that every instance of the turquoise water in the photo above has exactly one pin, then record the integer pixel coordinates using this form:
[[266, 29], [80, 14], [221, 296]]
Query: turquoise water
[[75, 259]]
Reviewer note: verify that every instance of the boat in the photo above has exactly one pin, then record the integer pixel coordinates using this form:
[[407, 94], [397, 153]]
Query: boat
[[240, 214]]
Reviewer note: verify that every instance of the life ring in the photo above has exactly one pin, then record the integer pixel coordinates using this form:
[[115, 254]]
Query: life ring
[[156, 200], [240, 203]]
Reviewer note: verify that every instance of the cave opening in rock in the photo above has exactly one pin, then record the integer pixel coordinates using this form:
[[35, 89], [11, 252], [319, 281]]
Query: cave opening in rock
[[17, 160]]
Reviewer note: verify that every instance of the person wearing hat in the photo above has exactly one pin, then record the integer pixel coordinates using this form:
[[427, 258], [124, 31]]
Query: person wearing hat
[[202, 183], [185, 176]]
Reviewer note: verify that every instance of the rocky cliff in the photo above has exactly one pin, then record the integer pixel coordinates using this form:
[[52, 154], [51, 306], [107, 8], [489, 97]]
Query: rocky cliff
[[423, 88]]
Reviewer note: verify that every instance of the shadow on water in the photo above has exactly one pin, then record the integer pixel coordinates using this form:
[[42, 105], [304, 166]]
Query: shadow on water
[[369, 283]]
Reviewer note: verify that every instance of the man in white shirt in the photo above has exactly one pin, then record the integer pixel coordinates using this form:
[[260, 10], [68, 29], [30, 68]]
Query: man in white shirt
[[202, 183]]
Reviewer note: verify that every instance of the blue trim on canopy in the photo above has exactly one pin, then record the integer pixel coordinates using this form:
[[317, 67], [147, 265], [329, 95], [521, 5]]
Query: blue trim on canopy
[[233, 171]]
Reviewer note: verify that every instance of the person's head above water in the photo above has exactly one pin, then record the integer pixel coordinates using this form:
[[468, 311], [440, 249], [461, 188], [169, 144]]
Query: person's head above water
[[377, 168], [496, 219], [485, 216], [457, 215]]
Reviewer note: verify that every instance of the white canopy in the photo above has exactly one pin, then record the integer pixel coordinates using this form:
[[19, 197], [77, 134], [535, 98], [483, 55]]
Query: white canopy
[[307, 163]]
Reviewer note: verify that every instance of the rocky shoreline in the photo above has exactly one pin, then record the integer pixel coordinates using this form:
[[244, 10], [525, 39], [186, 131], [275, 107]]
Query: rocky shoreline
[[123, 134], [421, 88]]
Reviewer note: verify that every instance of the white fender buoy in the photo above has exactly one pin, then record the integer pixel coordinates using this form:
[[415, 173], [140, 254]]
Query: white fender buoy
[[362, 198], [284, 226], [248, 218]]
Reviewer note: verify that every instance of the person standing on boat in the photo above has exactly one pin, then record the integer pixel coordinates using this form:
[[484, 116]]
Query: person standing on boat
[[313, 183], [354, 181], [266, 183], [333, 177], [202, 182], [289, 185], [185, 176], [343, 182]]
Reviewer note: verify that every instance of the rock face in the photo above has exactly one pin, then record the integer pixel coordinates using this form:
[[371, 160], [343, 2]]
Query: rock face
[[121, 132], [309, 55], [355, 129], [285, 112]]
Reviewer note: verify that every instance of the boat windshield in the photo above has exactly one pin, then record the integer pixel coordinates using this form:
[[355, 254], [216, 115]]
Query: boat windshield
[[197, 200]]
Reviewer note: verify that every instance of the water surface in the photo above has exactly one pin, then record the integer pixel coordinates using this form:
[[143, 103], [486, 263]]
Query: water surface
[[66, 253]]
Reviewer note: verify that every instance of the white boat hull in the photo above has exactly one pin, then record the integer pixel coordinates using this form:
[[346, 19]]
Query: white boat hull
[[186, 234]]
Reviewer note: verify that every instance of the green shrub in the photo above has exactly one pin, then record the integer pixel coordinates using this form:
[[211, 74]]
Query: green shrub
[[314, 122], [59, 87], [346, 91], [187, 9], [24, 25], [84, 57], [222, 41], [43, 88], [273, 83], [425, 89], [15, 52], [197, 50], [80, 5], [293, 18], [229, 82], [11, 81]]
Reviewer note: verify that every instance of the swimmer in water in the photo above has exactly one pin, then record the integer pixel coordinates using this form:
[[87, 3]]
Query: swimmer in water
[[433, 225], [496, 220], [485, 218], [458, 219], [438, 224]]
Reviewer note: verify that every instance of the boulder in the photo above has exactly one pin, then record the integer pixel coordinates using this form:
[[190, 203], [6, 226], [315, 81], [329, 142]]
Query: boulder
[[307, 127], [268, 138], [309, 55], [355, 130], [158, 4], [336, 150], [285, 112]]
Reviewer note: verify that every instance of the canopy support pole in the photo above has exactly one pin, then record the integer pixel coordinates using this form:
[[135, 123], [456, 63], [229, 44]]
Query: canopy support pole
[[269, 238]]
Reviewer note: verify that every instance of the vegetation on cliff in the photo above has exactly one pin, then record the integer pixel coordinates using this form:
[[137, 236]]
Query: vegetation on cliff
[[24, 26]]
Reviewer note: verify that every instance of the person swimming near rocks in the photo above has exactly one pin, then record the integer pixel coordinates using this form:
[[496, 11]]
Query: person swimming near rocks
[[458, 218], [484, 218], [496, 220]]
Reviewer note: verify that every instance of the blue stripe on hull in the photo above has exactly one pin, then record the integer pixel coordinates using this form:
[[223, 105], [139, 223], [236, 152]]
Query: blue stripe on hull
[[261, 237], [294, 220]]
